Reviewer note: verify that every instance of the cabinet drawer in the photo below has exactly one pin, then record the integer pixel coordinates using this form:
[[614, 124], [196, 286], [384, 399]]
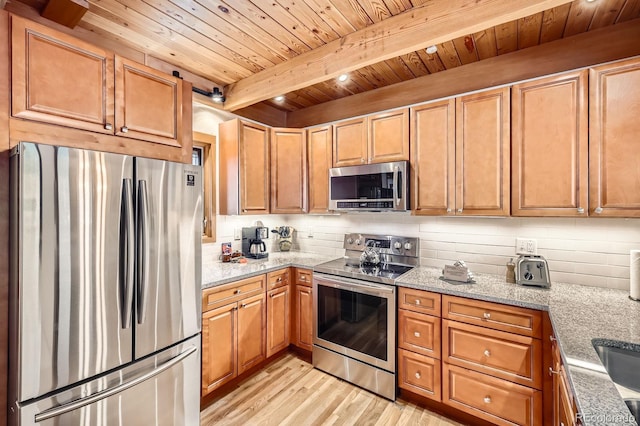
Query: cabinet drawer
[[419, 333], [513, 319], [505, 355], [495, 400], [419, 374], [217, 296], [419, 301], [304, 277], [277, 279]]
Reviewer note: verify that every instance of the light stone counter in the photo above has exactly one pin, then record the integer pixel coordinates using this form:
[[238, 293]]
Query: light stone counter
[[578, 314]]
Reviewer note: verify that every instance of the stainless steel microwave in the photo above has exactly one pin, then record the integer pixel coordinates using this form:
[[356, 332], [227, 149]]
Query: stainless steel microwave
[[371, 187]]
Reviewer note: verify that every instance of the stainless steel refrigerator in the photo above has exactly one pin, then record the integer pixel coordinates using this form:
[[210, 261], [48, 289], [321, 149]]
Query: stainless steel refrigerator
[[105, 290]]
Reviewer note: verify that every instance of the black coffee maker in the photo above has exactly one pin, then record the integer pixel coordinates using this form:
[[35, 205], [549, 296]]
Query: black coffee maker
[[253, 245]]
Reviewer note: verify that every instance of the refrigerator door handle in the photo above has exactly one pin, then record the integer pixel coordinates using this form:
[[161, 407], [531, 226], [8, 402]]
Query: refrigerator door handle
[[143, 250], [79, 403], [128, 248]]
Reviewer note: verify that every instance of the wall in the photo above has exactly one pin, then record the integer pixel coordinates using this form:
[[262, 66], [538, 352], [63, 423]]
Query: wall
[[589, 251]]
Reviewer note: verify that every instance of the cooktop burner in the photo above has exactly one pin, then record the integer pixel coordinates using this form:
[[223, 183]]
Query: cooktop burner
[[394, 256]]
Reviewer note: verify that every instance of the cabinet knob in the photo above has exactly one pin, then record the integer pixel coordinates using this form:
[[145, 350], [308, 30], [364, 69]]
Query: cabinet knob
[[487, 399], [553, 339], [237, 291], [580, 210], [459, 210], [552, 371], [244, 305], [598, 210], [487, 353], [418, 375], [487, 315], [108, 126], [448, 210], [124, 129], [271, 295], [417, 301], [279, 279], [416, 333]]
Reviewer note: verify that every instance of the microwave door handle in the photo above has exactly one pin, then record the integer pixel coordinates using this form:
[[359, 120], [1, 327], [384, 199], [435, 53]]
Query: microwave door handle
[[396, 194]]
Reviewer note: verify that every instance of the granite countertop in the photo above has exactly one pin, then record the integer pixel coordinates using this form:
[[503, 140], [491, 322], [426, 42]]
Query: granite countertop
[[217, 273], [578, 314]]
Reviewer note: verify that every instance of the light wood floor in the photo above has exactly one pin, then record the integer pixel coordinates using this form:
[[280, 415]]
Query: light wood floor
[[290, 391]]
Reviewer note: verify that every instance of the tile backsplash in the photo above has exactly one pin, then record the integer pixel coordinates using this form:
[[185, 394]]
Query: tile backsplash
[[589, 251]]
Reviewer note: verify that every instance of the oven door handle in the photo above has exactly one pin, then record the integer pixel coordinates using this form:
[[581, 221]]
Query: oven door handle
[[353, 285]]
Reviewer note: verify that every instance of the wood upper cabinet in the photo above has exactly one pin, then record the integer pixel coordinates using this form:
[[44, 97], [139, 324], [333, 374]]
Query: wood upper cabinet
[[350, 142], [483, 153], [460, 155], [278, 319], [320, 160], [614, 162], [288, 171], [244, 168], [549, 168], [148, 103], [59, 79], [376, 138], [433, 158]]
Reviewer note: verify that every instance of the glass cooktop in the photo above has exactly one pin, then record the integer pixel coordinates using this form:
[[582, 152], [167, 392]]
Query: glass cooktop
[[383, 272]]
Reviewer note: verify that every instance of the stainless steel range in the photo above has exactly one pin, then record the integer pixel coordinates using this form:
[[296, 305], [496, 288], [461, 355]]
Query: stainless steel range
[[354, 302]]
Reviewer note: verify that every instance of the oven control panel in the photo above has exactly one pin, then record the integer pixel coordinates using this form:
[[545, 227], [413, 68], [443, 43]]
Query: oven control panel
[[405, 246]]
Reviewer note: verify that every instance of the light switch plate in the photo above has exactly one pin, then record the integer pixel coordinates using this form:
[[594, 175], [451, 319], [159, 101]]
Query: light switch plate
[[526, 246], [237, 234]]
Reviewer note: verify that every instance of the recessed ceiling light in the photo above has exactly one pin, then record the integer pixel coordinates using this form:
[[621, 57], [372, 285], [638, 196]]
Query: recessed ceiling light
[[343, 77], [279, 98], [431, 50]]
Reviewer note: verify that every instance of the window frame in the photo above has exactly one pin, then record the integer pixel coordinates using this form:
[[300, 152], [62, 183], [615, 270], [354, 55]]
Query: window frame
[[207, 143]]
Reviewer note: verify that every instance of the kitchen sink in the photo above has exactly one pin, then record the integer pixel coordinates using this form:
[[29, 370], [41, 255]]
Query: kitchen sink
[[623, 365], [634, 407]]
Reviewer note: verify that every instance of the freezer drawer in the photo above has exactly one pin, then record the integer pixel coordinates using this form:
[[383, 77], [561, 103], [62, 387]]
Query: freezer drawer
[[159, 390]]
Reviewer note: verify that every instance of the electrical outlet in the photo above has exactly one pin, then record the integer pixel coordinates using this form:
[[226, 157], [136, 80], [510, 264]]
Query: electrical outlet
[[526, 246], [237, 234]]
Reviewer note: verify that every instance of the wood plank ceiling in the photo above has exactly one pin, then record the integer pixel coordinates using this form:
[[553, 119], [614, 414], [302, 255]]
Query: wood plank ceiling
[[228, 41]]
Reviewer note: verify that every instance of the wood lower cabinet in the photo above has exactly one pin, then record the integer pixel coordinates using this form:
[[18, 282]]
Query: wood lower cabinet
[[288, 171], [58, 79], [244, 170], [460, 155], [377, 138], [302, 330], [420, 374], [614, 163], [278, 311], [419, 333], [233, 330], [564, 406], [549, 163], [320, 160]]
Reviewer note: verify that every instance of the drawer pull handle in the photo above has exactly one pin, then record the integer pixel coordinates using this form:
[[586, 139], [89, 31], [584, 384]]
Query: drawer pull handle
[[244, 305], [271, 295], [124, 129], [238, 291], [108, 126], [487, 399], [487, 353], [416, 333], [552, 371], [487, 315], [279, 279], [418, 375], [553, 339], [417, 301]]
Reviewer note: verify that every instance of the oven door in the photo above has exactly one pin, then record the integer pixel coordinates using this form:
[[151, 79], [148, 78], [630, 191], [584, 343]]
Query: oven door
[[355, 318]]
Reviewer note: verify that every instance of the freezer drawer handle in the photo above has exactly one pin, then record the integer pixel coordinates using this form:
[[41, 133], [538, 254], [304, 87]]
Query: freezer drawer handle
[[79, 403], [128, 248]]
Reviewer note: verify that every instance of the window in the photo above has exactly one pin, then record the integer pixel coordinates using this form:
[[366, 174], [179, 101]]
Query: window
[[204, 154]]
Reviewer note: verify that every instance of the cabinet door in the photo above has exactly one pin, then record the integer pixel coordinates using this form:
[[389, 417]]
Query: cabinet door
[[219, 347], [564, 411], [59, 79], [549, 170], [350, 143], [320, 160], [482, 153], [420, 374], [614, 163], [148, 103], [388, 136], [254, 168], [304, 317], [278, 322], [251, 332], [433, 150], [288, 171]]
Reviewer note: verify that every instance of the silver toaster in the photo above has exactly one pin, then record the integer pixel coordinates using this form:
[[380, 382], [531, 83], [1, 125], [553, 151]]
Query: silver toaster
[[532, 270]]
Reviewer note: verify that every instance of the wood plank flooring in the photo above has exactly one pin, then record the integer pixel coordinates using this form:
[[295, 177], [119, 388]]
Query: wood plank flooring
[[290, 391]]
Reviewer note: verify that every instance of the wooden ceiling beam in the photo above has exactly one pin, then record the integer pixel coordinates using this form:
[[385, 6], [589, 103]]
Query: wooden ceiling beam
[[436, 22], [65, 12]]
